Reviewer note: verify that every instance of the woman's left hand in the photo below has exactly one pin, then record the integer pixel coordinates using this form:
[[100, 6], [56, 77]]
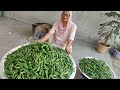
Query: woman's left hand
[[68, 50]]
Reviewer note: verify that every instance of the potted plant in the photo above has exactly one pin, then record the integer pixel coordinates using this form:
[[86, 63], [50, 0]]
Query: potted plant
[[108, 32], [116, 52]]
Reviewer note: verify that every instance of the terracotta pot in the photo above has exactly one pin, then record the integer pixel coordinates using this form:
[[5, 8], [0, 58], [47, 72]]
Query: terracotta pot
[[102, 48]]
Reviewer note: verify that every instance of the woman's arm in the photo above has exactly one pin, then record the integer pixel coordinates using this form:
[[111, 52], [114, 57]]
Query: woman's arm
[[46, 37], [49, 34], [71, 39], [69, 44]]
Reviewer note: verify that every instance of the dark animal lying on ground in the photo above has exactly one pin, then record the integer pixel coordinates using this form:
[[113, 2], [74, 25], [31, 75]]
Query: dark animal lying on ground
[[39, 30]]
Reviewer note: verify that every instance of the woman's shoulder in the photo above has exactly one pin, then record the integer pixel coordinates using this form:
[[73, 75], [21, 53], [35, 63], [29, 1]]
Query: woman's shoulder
[[74, 25]]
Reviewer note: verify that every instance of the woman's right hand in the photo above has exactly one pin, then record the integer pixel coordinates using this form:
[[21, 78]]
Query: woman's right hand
[[39, 40]]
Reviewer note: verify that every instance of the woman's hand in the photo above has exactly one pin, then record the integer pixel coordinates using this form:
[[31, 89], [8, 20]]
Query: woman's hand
[[68, 50], [39, 40], [69, 44]]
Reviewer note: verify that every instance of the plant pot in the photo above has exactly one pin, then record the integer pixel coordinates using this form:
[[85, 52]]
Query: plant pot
[[101, 48], [116, 54]]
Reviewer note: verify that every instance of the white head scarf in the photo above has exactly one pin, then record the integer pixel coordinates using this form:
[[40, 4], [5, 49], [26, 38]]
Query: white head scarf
[[70, 15], [60, 28]]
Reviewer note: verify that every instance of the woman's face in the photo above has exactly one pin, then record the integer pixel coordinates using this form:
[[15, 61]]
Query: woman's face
[[65, 16]]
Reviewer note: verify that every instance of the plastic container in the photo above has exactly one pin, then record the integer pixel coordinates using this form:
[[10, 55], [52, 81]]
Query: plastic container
[[116, 54]]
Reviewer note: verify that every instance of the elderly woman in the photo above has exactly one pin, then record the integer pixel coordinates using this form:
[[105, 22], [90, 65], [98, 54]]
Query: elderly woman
[[64, 32]]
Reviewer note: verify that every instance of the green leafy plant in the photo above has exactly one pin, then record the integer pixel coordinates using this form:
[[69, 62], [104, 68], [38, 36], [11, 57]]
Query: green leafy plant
[[110, 30]]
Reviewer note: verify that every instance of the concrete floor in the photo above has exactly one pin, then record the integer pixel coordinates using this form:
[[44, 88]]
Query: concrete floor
[[14, 33]]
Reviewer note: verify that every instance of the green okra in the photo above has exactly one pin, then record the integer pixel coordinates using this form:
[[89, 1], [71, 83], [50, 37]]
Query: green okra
[[96, 69], [38, 61]]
